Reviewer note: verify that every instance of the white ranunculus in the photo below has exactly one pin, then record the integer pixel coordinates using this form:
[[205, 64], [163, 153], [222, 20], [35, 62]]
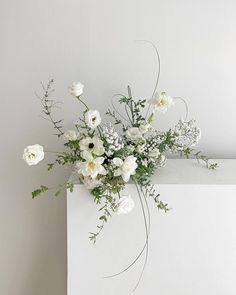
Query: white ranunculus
[[134, 133], [126, 168], [161, 102], [90, 167], [71, 135], [155, 153], [125, 205], [76, 89], [94, 145], [92, 118], [33, 154]]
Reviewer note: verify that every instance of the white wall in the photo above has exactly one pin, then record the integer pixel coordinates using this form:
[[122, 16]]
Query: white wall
[[92, 41]]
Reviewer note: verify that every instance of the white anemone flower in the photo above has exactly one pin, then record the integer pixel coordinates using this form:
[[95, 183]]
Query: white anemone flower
[[134, 133], [94, 145], [161, 102], [125, 205], [126, 168], [90, 167], [92, 118]]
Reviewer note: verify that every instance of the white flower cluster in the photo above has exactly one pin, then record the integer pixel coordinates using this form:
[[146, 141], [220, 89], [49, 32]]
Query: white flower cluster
[[98, 153], [188, 133], [114, 141]]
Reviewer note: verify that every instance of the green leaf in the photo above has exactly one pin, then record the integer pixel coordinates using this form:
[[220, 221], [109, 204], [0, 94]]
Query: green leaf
[[39, 191]]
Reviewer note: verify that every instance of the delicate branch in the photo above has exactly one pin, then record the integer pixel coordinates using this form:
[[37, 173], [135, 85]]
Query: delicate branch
[[48, 104]]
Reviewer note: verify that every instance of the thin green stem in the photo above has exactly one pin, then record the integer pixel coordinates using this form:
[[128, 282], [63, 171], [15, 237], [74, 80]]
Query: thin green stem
[[80, 100], [147, 227]]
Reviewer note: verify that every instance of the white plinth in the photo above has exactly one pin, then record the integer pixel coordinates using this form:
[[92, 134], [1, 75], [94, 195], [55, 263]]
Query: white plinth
[[192, 248]]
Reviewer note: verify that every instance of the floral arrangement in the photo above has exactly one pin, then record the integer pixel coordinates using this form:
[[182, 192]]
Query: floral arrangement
[[106, 156]]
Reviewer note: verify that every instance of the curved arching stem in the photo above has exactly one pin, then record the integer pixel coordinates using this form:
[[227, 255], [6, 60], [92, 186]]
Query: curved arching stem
[[185, 104], [146, 241], [147, 228], [158, 72]]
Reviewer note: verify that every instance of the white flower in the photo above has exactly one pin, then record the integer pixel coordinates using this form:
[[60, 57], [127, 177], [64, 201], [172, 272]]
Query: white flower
[[91, 183], [33, 154], [155, 153], [144, 128], [91, 167], [125, 205], [140, 148], [133, 133], [161, 102], [71, 135], [93, 145], [76, 89], [126, 167], [92, 118]]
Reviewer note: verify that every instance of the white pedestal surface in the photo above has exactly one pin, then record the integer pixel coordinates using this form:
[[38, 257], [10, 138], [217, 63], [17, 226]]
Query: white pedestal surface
[[192, 248]]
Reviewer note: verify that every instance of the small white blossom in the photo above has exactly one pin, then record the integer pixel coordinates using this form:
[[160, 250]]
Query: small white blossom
[[161, 102], [113, 141], [126, 167], [92, 118], [133, 133], [94, 145], [33, 154], [155, 153], [125, 205], [140, 148], [71, 135], [76, 89], [188, 133], [91, 167]]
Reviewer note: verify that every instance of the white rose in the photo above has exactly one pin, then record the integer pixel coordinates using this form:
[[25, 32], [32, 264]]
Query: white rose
[[33, 154], [92, 118], [133, 133], [161, 102], [76, 89], [126, 168], [125, 205], [71, 135]]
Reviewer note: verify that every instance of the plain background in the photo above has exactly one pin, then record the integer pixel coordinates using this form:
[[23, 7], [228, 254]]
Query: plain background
[[93, 42]]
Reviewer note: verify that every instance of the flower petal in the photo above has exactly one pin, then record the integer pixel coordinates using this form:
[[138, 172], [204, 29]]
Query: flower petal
[[86, 155], [118, 162]]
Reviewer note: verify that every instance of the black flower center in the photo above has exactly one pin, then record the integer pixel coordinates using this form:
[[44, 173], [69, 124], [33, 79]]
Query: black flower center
[[91, 145]]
